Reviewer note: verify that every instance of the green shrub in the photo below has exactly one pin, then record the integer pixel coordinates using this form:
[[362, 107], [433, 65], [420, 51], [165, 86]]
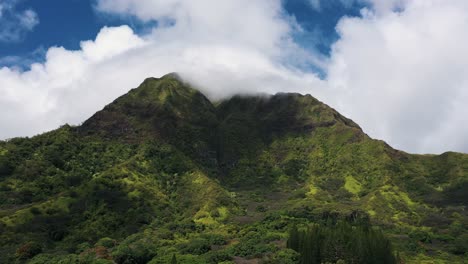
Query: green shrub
[[196, 246], [421, 236], [28, 250], [134, 251], [106, 242], [82, 247], [284, 256], [57, 259], [35, 211], [6, 166], [252, 246], [460, 246], [215, 239], [218, 256]]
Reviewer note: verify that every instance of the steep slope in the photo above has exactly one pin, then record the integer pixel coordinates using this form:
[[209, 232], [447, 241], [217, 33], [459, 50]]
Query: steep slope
[[161, 109], [251, 126], [162, 170], [124, 168], [322, 164]]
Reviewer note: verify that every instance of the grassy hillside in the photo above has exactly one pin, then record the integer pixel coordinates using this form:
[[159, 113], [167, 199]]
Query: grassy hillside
[[162, 173]]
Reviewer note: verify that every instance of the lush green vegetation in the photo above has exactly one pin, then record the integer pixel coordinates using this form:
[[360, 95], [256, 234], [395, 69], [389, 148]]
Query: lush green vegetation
[[341, 242], [162, 175]]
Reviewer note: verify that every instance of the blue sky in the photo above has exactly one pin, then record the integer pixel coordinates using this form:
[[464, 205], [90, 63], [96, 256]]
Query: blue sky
[[398, 68], [67, 22], [61, 23], [320, 23]]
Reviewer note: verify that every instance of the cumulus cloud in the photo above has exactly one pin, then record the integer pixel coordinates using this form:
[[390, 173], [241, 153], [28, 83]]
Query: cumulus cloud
[[65, 87], [14, 24], [400, 70], [403, 75]]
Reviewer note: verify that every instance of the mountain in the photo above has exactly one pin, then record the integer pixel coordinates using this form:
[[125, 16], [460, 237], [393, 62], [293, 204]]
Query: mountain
[[163, 174]]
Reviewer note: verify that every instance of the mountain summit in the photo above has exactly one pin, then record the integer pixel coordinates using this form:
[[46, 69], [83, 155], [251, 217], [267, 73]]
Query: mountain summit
[[162, 171]]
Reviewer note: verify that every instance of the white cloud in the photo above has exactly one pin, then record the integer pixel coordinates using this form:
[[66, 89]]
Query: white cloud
[[66, 87], [208, 45], [403, 75], [400, 71], [15, 24]]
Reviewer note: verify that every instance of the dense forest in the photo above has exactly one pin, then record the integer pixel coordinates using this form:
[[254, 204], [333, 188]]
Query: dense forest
[[163, 175], [341, 242]]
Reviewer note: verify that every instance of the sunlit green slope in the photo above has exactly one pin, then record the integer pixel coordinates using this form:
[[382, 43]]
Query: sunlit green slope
[[163, 172]]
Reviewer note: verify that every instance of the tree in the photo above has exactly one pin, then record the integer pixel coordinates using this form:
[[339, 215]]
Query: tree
[[341, 241], [293, 241]]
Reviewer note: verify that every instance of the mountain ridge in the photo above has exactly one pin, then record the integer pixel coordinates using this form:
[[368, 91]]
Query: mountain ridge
[[162, 167]]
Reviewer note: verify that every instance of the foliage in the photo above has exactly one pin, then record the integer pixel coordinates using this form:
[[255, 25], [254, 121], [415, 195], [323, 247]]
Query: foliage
[[28, 250], [134, 250], [343, 242], [284, 256], [164, 172]]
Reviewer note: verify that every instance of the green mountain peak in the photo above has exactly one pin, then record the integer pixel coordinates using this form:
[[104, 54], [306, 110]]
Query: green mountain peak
[[151, 110], [162, 174]]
